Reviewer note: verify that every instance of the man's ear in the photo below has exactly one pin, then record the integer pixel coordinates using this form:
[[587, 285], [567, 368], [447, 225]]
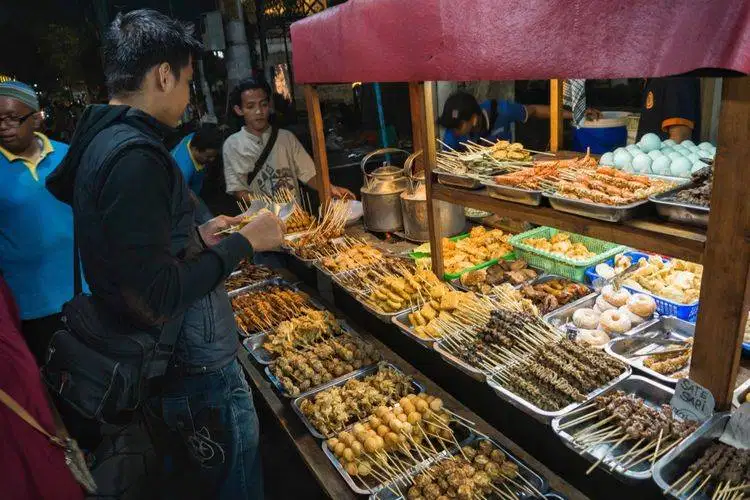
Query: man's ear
[[237, 110], [36, 121], [165, 79]]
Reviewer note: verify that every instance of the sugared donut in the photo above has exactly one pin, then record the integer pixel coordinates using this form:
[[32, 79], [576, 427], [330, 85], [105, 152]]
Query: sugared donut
[[634, 318], [603, 305], [586, 318], [614, 322], [615, 297], [594, 338], [641, 304]]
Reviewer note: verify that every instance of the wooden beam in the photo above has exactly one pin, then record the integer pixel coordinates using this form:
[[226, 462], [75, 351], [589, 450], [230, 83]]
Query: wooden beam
[[555, 115], [723, 299], [430, 159], [315, 120], [416, 106]]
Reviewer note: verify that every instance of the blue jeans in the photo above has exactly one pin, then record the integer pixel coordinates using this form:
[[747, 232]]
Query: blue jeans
[[205, 429]]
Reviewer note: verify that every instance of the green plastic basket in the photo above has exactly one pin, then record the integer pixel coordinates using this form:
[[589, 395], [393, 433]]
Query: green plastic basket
[[423, 255], [562, 266]]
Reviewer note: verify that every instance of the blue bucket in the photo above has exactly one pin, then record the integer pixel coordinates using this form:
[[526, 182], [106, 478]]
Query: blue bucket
[[600, 140]]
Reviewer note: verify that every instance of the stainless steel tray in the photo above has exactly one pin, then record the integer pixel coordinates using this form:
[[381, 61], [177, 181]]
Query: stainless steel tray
[[677, 211], [454, 180], [652, 393], [382, 316], [600, 211], [640, 341], [456, 283], [358, 374], [459, 363], [537, 481], [562, 317], [740, 392], [401, 320], [549, 277], [675, 463], [545, 416], [517, 195]]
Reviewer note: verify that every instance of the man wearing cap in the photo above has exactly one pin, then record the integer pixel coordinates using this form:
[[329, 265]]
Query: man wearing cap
[[36, 230]]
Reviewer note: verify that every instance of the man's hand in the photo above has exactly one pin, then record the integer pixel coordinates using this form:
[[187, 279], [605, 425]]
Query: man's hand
[[265, 232], [341, 193], [211, 231], [592, 114]]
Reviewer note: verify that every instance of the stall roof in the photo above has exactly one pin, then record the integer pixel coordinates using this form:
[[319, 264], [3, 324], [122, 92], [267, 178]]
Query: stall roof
[[417, 40]]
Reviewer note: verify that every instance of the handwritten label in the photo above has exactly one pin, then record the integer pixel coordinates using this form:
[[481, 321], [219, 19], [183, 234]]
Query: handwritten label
[[692, 401], [737, 431]]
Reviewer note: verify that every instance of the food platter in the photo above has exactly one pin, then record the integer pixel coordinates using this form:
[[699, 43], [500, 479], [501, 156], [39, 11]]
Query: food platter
[[671, 467], [359, 374], [401, 320], [449, 358], [547, 277], [640, 341], [530, 197], [606, 454], [459, 181], [679, 212], [599, 211]]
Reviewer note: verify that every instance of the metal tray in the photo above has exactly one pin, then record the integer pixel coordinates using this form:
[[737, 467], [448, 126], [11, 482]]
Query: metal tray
[[740, 392], [456, 283], [545, 416], [639, 341], [358, 374], [677, 211], [382, 316], [454, 180], [562, 317], [674, 464], [539, 482], [652, 393], [449, 358], [401, 320], [600, 211], [549, 277], [517, 195]]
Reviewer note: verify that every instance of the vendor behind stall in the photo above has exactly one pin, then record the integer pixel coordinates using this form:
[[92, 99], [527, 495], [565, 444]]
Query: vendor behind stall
[[465, 119], [193, 155], [671, 109], [36, 230]]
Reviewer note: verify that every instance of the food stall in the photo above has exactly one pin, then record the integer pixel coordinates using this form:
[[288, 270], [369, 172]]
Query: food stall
[[491, 352]]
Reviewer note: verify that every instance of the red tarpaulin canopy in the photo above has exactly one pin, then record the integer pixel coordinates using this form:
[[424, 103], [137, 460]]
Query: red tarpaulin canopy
[[417, 40]]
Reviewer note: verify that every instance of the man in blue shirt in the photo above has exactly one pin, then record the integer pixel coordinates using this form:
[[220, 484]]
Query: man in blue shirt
[[36, 230], [193, 155], [465, 119]]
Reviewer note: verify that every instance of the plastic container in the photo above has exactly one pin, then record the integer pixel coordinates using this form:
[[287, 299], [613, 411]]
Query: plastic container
[[665, 307], [556, 264]]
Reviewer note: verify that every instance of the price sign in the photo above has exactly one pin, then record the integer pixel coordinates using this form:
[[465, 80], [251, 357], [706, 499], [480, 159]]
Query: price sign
[[692, 401], [737, 431]]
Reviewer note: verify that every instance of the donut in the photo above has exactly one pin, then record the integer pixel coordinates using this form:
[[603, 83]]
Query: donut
[[634, 318], [594, 338], [586, 318], [603, 305], [615, 297], [614, 322], [641, 304]]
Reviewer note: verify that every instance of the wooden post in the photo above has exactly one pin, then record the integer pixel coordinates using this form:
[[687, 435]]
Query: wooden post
[[416, 106], [723, 304], [315, 120], [555, 115], [430, 159]]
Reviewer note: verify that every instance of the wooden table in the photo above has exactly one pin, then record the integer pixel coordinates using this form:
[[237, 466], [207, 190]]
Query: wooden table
[[309, 448]]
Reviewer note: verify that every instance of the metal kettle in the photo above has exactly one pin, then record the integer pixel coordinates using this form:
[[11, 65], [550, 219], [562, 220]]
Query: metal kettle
[[451, 218], [380, 194]]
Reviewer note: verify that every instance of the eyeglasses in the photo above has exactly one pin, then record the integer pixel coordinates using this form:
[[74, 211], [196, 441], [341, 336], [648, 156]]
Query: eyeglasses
[[16, 121]]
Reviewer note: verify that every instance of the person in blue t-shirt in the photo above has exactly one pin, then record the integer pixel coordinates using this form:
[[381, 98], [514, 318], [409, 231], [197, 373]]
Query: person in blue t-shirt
[[465, 119], [36, 230], [193, 155]]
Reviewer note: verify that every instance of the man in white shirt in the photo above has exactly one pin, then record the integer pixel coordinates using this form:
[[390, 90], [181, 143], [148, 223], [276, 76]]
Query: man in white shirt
[[287, 162]]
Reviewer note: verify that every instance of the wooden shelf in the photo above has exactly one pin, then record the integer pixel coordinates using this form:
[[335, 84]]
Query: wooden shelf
[[650, 234]]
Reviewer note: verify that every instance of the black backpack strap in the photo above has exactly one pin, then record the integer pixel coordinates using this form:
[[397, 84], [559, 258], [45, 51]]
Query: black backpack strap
[[263, 155], [77, 285], [165, 347]]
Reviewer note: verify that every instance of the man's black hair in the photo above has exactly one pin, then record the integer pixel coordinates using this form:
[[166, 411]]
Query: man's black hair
[[139, 40], [248, 84], [459, 107], [207, 137]]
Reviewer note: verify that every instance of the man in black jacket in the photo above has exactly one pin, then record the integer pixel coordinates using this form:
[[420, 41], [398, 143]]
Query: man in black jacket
[[148, 264]]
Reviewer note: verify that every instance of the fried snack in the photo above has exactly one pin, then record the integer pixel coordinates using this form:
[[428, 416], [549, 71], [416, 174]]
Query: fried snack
[[249, 274], [480, 246], [670, 363], [424, 321], [533, 178], [554, 293], [299, 220], [358, 255], [264, 309], [676, 280], [610, 186], [560, 244], [515, 272], [302, 331], [394, 291]]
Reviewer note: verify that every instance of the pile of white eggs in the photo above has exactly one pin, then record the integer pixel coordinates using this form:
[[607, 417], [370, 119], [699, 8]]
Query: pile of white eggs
[[653, 156]]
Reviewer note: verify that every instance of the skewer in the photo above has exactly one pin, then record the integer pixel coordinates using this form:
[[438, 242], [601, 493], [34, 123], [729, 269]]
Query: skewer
[[700, 487]]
